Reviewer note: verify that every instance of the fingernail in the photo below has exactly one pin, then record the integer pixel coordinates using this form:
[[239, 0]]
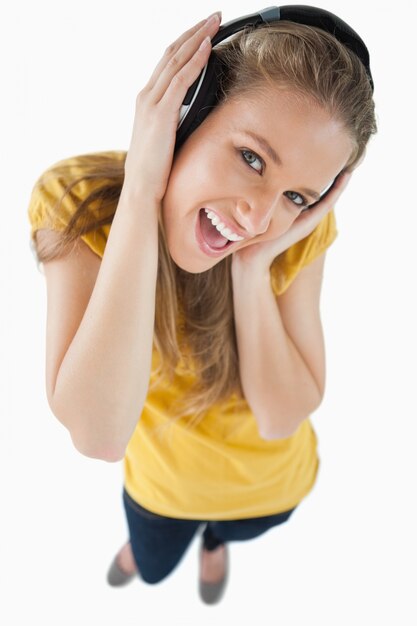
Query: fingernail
[[215, 16], [204, 43]]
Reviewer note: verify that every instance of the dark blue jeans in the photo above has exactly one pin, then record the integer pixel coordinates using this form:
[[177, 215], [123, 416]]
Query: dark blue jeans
[[159, 542]]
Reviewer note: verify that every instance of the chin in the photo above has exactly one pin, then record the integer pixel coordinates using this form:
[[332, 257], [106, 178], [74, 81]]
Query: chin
[[194, 266]]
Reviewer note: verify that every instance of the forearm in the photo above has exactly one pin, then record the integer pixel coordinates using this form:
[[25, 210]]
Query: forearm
[[103, 380], [276, 381]]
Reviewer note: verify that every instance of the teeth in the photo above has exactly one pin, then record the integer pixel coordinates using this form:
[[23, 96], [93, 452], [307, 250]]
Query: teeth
[[226, 232]]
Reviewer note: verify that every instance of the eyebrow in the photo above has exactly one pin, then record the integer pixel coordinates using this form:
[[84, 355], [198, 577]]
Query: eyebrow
[[262, 142]]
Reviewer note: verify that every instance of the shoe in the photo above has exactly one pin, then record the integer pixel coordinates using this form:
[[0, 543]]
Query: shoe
[[211, 593], [116, 577]]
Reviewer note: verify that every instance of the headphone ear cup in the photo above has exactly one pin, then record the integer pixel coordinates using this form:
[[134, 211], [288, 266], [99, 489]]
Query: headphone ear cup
[[205, 100]]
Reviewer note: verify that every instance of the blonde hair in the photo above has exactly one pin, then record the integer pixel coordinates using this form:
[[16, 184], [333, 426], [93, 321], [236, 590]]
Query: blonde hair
[[194, 322]]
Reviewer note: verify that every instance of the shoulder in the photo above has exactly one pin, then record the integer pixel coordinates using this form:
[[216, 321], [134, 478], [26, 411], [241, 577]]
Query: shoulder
[[63, 173], [62, 187]]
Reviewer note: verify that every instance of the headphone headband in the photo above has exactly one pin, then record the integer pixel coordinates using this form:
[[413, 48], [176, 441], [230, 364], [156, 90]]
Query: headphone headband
[[201, 96]]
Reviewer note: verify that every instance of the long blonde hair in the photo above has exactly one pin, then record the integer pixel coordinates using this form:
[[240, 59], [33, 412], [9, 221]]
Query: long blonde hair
[[194, 321]]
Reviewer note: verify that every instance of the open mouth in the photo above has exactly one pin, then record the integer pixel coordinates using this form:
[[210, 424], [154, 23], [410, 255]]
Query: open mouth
[[212, 237]]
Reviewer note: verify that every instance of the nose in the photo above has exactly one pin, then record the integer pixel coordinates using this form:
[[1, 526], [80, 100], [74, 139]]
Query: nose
[[255, 217]]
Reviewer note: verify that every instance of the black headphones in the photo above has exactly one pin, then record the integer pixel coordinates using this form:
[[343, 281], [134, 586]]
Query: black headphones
[[202, 95]]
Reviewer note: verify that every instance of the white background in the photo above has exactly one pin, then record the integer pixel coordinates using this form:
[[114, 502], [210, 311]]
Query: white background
[[70, 75]]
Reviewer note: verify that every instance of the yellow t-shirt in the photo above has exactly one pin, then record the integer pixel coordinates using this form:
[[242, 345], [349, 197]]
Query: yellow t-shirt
[[221, 468]]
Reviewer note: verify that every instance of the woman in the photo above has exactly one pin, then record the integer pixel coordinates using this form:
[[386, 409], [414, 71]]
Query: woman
[[183, 279]]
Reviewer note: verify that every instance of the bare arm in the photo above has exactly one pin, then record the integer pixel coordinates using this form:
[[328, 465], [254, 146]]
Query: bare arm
[[281, 348], [103, 379]]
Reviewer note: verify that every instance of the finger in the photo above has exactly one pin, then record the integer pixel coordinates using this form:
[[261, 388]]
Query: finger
[[340, 184], [177, 61], [311, 218], [360, 161], [172, 48], [200, 30], [173, 97], [333, 194]]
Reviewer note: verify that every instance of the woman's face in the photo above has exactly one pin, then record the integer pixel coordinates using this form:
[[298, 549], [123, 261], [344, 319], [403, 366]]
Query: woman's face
[[222, 167]]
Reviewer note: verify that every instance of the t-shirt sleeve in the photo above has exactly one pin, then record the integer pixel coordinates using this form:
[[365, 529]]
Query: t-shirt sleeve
[[286, 266], [45, 211], [42, 210]]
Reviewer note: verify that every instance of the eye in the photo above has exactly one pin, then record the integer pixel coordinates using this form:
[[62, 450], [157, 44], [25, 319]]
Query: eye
[[297, 199], [249, 161]]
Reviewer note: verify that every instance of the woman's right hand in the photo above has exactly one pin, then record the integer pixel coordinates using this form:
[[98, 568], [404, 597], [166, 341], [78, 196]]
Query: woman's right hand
[[149, 159]]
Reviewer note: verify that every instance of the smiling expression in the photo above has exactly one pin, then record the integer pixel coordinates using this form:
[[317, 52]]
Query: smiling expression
[[256, 190]]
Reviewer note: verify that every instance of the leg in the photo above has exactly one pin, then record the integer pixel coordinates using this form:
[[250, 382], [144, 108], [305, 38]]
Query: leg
[[214, 553], [158, 543]]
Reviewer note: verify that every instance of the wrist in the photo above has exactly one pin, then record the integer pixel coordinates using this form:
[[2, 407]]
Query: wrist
[[139, 201], [249, 273], [138, 194]]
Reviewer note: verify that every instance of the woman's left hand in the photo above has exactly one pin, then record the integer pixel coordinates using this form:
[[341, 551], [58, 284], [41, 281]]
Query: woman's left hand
[[259, 256]]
